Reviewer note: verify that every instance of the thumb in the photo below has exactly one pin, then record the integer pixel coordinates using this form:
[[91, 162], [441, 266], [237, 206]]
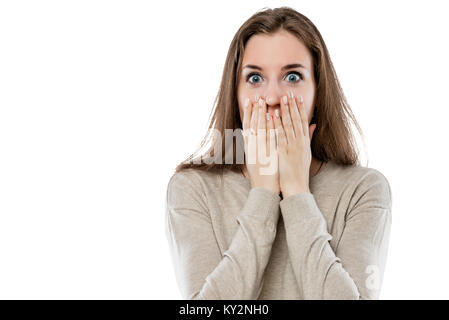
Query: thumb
[[312, 130]]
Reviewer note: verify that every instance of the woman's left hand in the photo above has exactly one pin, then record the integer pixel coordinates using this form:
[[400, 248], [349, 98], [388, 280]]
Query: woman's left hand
[[294, 135]]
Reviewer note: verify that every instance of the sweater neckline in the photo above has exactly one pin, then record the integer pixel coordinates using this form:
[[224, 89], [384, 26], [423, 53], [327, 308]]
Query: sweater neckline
[[324, 168]]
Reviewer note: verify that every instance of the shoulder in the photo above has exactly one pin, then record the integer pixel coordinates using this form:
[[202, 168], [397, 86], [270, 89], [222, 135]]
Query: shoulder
[[183, 178], [193, 178], [362, 182], [190, 185]]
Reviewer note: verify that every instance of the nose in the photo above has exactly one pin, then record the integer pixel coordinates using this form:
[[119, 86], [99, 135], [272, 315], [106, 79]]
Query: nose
[[272, 100], [273, 95]]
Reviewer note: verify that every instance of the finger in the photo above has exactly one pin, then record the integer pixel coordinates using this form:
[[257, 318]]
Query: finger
[[246, 114], [254, 115], [296, 118], [267, 117], [312, 130], [246, 119], [262, 115], [261, 129], [280, 133], [271, 138], [251, 138], [271, 143], [302, 112], [286, 120]]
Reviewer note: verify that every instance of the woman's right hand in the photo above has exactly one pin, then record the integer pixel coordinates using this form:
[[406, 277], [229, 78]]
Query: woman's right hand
[[261, 156]]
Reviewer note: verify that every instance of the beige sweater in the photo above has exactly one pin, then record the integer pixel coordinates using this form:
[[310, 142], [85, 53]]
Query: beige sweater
[[231, 241]]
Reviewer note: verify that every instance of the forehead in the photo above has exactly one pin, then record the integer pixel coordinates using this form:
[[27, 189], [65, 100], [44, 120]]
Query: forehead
[[276, 50]]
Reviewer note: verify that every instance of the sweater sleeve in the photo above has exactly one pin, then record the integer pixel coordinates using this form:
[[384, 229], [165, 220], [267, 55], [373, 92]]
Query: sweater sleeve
[[355, 270], [202, 272]]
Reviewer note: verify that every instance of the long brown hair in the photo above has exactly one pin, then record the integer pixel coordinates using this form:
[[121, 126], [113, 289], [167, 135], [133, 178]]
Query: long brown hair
[[332, 138]]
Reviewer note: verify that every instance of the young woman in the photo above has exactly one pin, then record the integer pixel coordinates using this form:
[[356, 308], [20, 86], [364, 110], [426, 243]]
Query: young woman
[[317, 225]]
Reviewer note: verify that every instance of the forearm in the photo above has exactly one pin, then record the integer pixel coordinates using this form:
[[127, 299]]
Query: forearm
[[318, 270], [204, 273]]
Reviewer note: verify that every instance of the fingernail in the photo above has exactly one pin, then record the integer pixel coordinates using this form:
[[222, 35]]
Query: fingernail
[[291, 94], [246, 103], [300, 99], [261, 102], [276, 112], [284, 99], [256, 98], [268, 116]]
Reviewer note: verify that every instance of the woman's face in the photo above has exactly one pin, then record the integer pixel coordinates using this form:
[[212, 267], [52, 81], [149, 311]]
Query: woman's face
[[270, 68]]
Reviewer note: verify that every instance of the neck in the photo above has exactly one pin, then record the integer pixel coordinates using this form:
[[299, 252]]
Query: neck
[[314, 167]]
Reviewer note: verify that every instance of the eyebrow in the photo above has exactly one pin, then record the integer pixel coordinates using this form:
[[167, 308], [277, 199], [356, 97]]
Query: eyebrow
[[286, 67]]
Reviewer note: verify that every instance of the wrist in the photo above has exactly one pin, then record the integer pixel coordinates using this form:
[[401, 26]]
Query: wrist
[[272, 189], [289, 191]]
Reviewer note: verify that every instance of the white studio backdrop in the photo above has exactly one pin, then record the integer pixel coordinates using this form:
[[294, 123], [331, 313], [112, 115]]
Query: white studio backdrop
[[100, 100]]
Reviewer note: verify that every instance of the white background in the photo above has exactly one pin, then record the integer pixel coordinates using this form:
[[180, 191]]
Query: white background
[[100, 100]]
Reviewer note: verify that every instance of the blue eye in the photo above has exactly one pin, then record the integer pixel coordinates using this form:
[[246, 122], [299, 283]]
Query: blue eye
[[297, 74], [292, 77], [252, 74]]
